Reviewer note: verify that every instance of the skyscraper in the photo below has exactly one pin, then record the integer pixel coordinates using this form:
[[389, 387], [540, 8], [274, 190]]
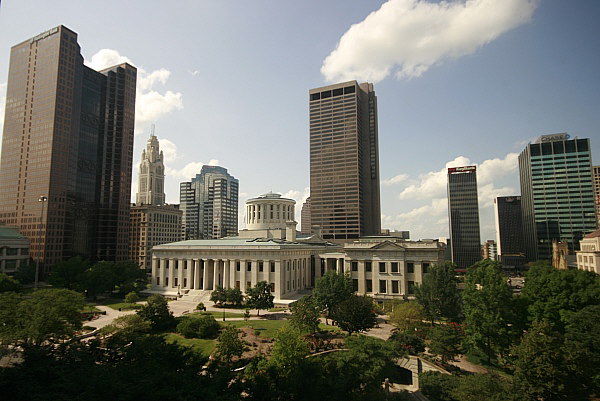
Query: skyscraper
[[344, 160], [305, 223], [596, 177], [65, 170], [210, 204], [463, 215], [151, 182], [509, 230], [556, 193]]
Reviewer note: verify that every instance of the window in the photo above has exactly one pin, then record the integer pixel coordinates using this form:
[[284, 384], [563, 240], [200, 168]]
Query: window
[[355, 267], [394, 286], [368, 267], [394, 267], [355, 285], [410, 267], [272, 287], [248, 284], [237, 266], [272, 267], [411, 287], [260, 266], [381, 267], [369, 286], [382, 286], [249, 266], [425, 267]]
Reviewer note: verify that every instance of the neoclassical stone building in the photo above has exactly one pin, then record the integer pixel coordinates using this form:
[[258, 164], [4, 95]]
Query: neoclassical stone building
[[270, 250]]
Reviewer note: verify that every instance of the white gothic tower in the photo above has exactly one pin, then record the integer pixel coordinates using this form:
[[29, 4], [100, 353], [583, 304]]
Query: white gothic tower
[[151, 175]]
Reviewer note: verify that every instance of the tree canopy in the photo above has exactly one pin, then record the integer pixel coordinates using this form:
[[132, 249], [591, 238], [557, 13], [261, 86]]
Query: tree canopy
[[438, 293], [305, 315], [331, 289], [259, 296], [355, 314], [157, 312]]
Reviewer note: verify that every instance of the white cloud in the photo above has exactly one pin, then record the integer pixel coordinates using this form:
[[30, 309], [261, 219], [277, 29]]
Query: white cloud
[[187, 172], [406, 37], [195, 73], [300, 197], [213, 162], [150, 104], [395, 180], [169, 150]]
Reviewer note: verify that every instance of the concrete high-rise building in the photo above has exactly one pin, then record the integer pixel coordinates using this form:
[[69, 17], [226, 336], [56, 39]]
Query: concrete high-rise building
[[557, 195], [489, 250], [150, 226], [305, 222], [596, 178], [65, 171], [344, 161], [210, 204], [509, 231], [151, 182], [463, 215]]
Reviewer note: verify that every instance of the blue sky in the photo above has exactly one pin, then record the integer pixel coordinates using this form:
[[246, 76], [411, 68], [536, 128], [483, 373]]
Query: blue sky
[[226, 82]]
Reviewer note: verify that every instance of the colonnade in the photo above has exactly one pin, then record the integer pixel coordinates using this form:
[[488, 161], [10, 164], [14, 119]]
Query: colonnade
[[287, 275]]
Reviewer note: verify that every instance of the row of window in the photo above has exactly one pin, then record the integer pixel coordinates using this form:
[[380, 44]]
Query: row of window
[[410, 267]]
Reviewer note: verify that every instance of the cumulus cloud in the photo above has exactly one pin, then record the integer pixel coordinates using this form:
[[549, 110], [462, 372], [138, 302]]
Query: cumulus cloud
[[189, 170], [407, 37], [169, 150], [150, 103], [395, 180]]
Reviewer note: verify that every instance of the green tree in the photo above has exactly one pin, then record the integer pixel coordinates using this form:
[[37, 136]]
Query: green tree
[[259, 296], [157, 312], [331, 289], [481, 387], [234, 296], [26, 273], [8, 283], [69, 273], [127, 326], [408, 341], [438, 293], [129, 277], [305, 315], [132, 297], [230, 345], [551, 293], [407, 315], [438, 386], [355, 314], [99, 279], [487, 300], [188, 327], [288, 351], [208, 327], [446, 342], [218, 295], [541, 368], [47, 315]]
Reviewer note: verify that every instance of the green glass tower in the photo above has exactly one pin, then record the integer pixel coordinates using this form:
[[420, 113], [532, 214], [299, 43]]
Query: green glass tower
[[557, 195]]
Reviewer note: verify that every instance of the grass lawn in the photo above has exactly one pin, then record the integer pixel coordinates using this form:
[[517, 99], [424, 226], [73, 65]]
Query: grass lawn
[[90, 309], [116, 303], [216, 314], [326, 327], [266, 328], [204, 347], [277, 309]]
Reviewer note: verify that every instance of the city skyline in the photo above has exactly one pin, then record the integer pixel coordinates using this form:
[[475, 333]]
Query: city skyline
[[480, 105]]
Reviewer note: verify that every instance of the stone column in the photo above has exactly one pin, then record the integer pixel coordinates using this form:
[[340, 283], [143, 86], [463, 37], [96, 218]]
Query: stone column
[[254, 276], [162, 263], [205, 277], [243, 275], [232, 267], [155, 271], [190, 273], [171, 272], [197, 274], [226, 273], [278, 281], [180, 273], [361, 277], [216, 271]]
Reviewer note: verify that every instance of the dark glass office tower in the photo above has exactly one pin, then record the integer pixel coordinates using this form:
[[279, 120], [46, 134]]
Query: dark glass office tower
[[68, 135], [509, 231], [344, 161], [463, 215], [556, 193]]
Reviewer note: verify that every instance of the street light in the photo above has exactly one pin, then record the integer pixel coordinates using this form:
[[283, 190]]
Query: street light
[[43, 200]]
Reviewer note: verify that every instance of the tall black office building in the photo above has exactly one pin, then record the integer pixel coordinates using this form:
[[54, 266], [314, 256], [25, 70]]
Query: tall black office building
[[557, 193], [463, 215], [509, 231]]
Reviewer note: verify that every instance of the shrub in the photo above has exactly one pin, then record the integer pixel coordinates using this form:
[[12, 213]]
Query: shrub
[[200, 306], [189, 328], [208, 327], [132, 297]]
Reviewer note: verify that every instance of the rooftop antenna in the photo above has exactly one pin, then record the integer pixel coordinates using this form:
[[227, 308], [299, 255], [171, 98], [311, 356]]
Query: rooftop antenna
[[152, 130]]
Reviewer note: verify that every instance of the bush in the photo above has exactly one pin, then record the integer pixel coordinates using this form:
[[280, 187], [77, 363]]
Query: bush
[[408, 341], [200, 306], [188, 327], [132, 297], [208, 327], [438, 386]]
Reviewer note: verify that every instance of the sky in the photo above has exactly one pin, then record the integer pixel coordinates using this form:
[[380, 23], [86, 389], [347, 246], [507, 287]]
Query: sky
[[458, 83]]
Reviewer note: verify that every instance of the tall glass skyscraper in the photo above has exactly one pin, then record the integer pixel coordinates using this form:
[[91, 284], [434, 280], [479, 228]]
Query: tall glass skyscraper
[[68, 139], [344, 161], [210, 204], [509, 230], [463, 215], [557, 195]]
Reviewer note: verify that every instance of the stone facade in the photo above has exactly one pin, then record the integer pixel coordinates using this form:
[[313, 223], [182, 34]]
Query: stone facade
[[588, 257], [151, 179], [14, 250]]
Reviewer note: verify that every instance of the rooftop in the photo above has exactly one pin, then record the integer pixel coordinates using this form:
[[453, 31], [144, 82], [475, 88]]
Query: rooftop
[[10, 232], [594, 234]]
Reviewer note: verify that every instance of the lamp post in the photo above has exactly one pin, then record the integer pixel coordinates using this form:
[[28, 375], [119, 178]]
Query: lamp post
[[43, 200]]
